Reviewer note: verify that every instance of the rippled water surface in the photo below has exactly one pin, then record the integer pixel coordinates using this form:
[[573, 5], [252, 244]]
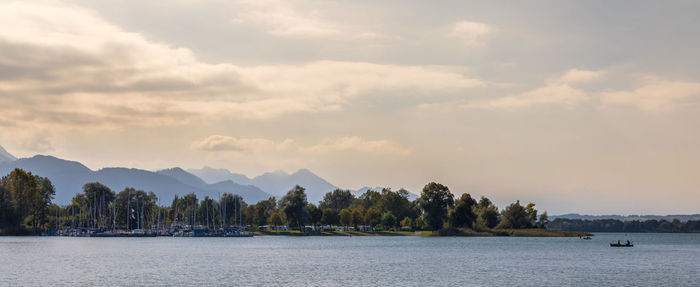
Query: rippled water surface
[[656, 260]]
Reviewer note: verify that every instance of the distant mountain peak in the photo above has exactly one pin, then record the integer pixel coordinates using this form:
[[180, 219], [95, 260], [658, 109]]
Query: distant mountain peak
[[304, 171], [183, 176], [278, 183], [6, 156], [52, 161], [213, 175], [279, 172], [209, 168]]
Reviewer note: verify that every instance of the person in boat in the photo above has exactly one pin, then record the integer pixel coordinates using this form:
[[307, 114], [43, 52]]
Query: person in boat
[[628, 242], [618, 242]]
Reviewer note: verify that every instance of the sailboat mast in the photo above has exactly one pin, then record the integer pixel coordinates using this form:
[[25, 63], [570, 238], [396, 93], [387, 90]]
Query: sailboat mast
[[128, 210]]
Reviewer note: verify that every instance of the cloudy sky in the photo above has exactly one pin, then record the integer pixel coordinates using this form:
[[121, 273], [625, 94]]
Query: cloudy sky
[[579, 106]]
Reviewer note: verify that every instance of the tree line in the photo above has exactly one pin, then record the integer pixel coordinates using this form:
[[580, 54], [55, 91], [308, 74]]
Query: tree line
[[614, 225], [25, 204]]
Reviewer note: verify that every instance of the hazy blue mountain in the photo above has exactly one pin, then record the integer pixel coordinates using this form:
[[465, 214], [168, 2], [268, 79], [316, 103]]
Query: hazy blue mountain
[[214, 175], [69, 177], [166, 187], [250, 193], [6, 156], [278, 183], [360, 191], [183, 176], [681, 217], [411, 196]]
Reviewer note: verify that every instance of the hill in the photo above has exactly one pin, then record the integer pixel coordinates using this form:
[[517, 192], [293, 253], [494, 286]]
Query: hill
[[250, 193], [670, 217], [214, 175], [276, 183], [6, 156], [69, 177]]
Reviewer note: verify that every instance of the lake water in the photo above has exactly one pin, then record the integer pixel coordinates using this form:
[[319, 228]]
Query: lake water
[[656, 260]]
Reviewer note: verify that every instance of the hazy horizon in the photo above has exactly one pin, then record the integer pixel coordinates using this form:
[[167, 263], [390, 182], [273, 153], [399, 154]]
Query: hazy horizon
[[584, 107]]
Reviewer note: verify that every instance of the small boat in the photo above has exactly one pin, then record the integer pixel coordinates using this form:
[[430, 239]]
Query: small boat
[[587, 238], [618, 244]]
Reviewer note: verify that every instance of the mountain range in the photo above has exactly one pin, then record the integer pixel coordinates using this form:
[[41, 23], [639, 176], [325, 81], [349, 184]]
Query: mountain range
[[6, 156], [276, 183], [671, 217], [69, 176]]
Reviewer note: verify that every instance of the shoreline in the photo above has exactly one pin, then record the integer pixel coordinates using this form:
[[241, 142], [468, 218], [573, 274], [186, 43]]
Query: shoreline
[[422, 233], [441, 233]]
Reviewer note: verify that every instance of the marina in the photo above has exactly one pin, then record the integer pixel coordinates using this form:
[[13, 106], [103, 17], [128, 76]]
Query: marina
[[228, 232]]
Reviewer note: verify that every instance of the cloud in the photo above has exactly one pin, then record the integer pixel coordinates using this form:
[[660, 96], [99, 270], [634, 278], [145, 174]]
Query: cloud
[[280, 18], [559, 91], [62, 65], [218, 143], [357, 144], [651, 94], [285, 19], [336, 82], [227, 143], [38, 141], [576, 76], [471, 33], [552, 94], [654, 95]]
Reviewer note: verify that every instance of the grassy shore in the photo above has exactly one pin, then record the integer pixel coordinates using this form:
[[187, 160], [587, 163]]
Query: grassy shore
[[339, 233], [445, 232]]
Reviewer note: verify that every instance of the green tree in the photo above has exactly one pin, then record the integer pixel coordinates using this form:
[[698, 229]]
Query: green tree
[[330, 216], [435, 200], [419, 223], [407, 222], [21, 186], [345, 216], [24, 197], [260, 214], [41, 201], [293, 204], [487, 213], [397, 202], [337, 199], [98, 198], [208, 212], [532, 214], [463, 214], [276, 219], [369, 199], [373, 216], [358, 216], [514, 216], [388, 220], [544, 220], [78, 209], [232, 206], [270, 204], [132, 207], [314, 213], [9, 219]]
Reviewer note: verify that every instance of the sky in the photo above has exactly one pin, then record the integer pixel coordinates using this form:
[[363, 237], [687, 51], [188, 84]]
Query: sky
[[579, 106]]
